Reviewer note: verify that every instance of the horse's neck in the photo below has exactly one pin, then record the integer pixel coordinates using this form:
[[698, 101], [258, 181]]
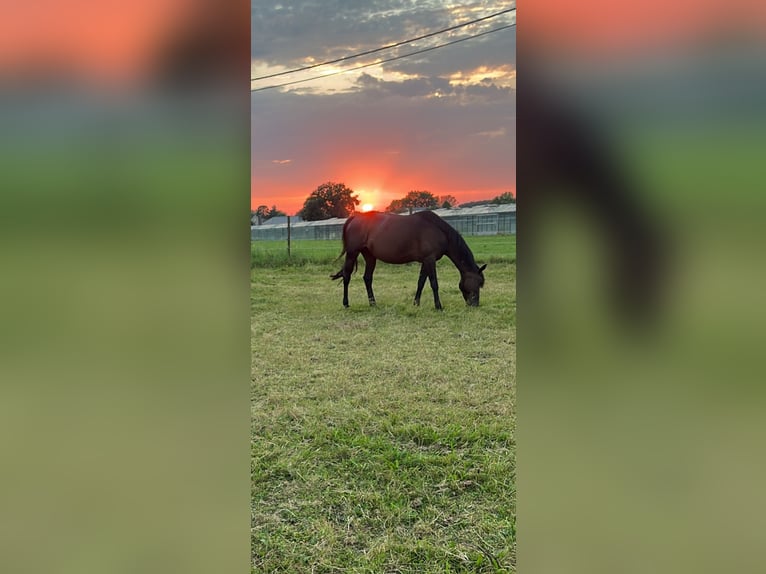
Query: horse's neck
[[459, 259]]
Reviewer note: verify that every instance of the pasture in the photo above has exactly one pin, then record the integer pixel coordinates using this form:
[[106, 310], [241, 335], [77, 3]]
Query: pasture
[[383, 437], [487, 249]]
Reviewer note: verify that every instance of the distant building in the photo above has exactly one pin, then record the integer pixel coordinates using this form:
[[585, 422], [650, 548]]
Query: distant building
[[488, 219], [282, 219], [278, 220]]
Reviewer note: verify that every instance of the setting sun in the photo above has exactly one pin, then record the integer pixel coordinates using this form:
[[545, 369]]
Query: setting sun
[[368, 207]]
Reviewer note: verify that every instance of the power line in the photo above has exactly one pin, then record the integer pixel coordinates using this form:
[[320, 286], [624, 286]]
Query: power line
[[384, 61], [388, 47]]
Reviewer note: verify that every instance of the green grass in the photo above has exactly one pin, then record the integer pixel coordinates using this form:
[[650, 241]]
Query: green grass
[[487, 249], [383, 438]]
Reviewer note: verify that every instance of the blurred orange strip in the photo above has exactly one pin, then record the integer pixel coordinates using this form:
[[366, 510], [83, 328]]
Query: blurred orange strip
[[597, 25], [106, 41]]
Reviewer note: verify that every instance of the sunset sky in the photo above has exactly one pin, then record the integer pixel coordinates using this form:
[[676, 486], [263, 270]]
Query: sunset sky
[[442, 121]]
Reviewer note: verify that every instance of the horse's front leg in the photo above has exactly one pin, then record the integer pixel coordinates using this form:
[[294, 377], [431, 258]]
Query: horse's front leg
[[421, 283], [369, 269], [434, 285]]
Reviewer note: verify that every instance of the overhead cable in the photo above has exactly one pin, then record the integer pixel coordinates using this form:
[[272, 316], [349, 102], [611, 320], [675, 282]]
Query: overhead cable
[[379, 62], [382, 48]]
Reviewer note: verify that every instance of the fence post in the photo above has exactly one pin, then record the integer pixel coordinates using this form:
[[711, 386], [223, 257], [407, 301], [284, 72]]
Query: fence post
[[288, 236]]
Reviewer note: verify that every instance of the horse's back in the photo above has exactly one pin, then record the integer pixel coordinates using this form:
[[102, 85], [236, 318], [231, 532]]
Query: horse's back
[[357, 228], [396, 238]]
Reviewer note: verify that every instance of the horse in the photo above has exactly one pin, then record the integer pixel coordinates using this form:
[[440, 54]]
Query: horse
[[423, 237], [565, 157]]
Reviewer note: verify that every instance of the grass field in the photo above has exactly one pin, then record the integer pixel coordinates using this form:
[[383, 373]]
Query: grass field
[[383, 438], [487, 249]]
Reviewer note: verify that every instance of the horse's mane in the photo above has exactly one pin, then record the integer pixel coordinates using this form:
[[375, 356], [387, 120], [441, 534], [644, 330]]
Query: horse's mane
[[457, 244]]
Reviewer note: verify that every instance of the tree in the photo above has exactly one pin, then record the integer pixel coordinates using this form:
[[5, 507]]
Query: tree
[[396, 206], [262, 213], [329, 200], [506, 197], [274, 212], [424, 199], [447, 201], [421, 199]]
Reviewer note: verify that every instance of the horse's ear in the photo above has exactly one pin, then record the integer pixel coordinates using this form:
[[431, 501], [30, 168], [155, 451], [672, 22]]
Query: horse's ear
[[482, 268]]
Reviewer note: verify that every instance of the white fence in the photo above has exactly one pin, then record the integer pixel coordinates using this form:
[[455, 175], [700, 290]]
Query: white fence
[[479, 220]]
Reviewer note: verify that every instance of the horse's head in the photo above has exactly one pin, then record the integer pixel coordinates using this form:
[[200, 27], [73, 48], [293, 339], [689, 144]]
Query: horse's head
[[470, 284]]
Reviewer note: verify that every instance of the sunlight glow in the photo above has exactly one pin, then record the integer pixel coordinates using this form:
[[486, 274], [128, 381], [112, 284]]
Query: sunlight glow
[[368, 207]]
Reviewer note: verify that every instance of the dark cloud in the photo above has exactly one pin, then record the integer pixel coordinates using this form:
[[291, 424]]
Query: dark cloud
[[497, 49], [287, 31], [433, 86], [417, 87]]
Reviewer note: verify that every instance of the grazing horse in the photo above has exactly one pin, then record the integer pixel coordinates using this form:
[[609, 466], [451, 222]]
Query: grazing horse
[[422, 236]]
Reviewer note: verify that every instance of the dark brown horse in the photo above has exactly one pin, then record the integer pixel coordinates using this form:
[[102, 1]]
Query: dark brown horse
[[422, 236]]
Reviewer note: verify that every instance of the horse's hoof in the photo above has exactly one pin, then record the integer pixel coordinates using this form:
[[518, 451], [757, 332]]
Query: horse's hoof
[[372, 303]]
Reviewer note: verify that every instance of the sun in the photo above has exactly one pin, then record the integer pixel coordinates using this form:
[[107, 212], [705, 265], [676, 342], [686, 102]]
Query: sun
[[367, 207]]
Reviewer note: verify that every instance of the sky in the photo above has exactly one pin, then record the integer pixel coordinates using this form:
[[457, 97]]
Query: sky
[[442, 121]]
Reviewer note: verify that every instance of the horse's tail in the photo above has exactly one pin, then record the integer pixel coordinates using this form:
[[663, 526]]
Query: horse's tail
[[344, 237], [339, 274]]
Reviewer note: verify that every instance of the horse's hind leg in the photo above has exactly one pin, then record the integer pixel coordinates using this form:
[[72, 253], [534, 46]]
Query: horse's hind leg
[[348, 269], [421, 283], [434, 283], [369, 269]]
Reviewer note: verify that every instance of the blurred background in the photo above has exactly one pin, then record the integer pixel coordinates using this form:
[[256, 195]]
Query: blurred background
[[124, 354], [640, 176]]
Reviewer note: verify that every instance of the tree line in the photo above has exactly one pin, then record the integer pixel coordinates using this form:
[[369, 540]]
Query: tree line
[[333, 199]]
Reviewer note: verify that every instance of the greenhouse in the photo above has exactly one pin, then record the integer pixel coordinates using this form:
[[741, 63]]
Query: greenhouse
[[477, 220]]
